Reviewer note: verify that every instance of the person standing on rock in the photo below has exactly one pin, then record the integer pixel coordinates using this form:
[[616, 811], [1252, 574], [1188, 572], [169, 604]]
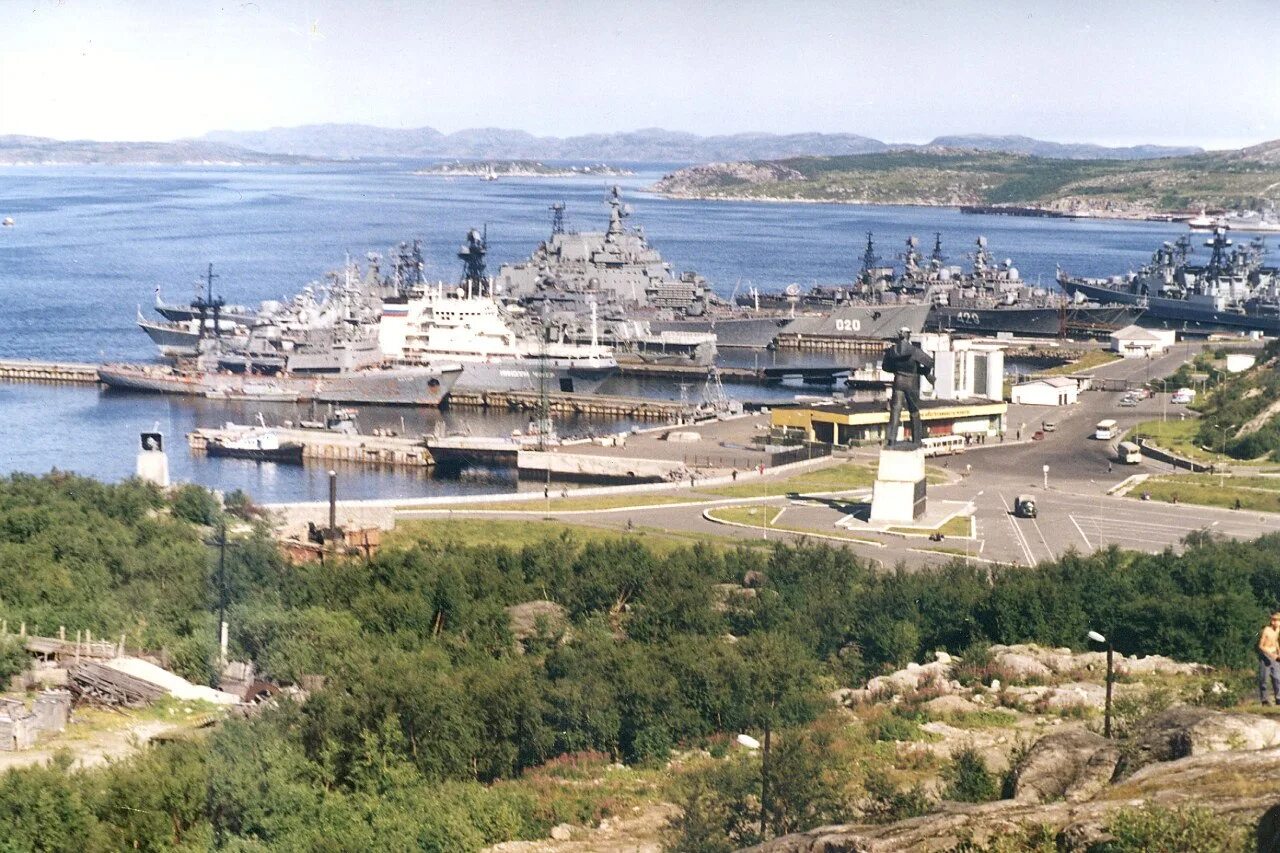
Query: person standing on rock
[[1268, 665]]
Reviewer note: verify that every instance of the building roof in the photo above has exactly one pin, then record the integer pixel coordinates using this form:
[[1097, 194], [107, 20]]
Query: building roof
[[1052, 381], [1135, 333]]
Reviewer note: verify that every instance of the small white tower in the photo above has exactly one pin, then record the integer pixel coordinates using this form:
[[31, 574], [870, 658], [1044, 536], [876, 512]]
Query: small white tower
[[153, 464]]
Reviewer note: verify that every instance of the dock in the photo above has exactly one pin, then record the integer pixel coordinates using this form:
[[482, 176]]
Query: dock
[[828, 343], [53, 372], [600, 405], [390, 450], [688, 372]]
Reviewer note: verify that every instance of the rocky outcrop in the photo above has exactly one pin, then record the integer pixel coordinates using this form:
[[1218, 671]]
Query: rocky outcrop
[[1187, 731], [1026, 661], [1073, 766], [1226, 782]]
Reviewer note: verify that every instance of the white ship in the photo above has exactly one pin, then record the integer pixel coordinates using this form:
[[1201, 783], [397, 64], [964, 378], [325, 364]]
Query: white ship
[[497, 350]]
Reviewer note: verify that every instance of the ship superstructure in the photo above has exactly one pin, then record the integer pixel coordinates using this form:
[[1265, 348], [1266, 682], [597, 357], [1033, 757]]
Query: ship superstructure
[[497, 346], [1235, 291]]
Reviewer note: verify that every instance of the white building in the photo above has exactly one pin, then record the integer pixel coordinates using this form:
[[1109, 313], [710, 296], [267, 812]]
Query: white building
[[1137, 342], [1239, 362], [964, 368], [1049, 391]]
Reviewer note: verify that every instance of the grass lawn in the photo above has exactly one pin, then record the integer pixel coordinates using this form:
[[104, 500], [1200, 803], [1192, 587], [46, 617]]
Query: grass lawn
[[1259, 494], [1176, 436], [833, 478], [959, 526], [755, 515], [569, 504], [1088, 361], [514, 533]]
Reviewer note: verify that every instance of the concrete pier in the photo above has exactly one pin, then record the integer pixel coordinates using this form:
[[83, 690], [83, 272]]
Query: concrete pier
[[637, 408], [21, 370], [337, 447]]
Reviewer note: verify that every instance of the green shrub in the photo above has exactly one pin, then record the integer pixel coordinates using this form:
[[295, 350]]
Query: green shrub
[[13, 659], [1151, 828], [195, 504], [969, 780]]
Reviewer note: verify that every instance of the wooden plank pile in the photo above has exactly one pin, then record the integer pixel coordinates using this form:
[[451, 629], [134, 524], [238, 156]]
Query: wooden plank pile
[[94, 681]]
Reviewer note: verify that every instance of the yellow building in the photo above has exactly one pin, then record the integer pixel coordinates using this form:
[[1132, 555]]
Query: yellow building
[[860, 423]]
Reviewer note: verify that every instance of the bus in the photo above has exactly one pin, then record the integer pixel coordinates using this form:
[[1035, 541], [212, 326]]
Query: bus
[[1105, 430], [1129, 453], [942, 445]]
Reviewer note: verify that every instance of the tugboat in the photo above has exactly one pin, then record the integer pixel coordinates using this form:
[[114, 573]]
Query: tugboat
[[259, 444]]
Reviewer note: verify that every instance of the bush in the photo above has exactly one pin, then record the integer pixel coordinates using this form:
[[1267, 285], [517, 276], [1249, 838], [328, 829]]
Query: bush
[[1190, 828], [195, 504], [13, 660], [969, 780]]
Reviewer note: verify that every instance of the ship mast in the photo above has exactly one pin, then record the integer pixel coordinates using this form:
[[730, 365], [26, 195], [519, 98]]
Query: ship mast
[[472, 257]]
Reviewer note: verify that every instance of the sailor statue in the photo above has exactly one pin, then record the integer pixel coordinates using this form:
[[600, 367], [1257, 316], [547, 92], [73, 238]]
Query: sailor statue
[[907, 362]]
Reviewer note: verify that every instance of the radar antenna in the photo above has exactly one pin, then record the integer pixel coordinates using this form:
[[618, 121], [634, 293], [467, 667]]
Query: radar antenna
[[557, 217], [472, 256]]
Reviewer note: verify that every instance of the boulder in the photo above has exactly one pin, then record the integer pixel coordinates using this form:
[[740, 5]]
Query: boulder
[[936, 675], [941, 706], [1186, 730], [1072, 765], [561, 832], [1076, 694], [1017, 666]]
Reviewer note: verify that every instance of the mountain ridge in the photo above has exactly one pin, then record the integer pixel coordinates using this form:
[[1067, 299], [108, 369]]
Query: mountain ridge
[[644, 144]]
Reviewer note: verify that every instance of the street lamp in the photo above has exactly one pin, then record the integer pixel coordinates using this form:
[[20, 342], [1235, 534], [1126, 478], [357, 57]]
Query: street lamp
[[1045, 470], [1222, 452], [1098, 638]]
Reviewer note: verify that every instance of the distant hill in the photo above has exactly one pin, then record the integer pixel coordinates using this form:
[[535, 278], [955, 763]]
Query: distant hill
[[1060, 150], [650, 144], [1248, 179], [342, 141], [36, 151]]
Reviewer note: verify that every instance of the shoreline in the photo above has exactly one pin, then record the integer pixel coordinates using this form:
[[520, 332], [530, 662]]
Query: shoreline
[[1170, 218]]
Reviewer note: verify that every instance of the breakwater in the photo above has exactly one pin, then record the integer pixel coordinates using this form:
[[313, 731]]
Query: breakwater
[[21, 370]]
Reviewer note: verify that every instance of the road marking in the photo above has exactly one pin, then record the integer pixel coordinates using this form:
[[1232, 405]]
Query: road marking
[[1017, 534], [1087, 543], [1036, 523]]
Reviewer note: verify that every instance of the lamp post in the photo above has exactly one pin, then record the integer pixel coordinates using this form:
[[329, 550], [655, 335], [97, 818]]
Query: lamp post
[[1222, 453], [1045, 470], [1098, 638], [1164, 400]]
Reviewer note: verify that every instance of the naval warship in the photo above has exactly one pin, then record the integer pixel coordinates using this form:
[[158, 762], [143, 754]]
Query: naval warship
[[323, 346], [1235, 292], [988, 298], [498, 349], [648, 311]]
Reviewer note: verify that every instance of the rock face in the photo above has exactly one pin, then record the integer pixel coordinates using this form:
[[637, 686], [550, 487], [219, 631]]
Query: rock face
[[1185, 731], [1072, 766], [1213, 781]]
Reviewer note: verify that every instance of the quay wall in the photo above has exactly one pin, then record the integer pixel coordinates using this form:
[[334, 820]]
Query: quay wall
[[22, 370]]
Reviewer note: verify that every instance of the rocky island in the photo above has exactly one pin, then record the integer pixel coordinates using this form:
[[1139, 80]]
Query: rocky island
[[1153, 188]]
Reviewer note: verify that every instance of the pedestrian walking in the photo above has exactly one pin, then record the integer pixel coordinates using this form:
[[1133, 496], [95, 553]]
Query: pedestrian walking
[[1268, 665]]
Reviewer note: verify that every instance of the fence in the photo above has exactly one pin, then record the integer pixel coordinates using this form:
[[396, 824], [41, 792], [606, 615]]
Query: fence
[[768, 457]]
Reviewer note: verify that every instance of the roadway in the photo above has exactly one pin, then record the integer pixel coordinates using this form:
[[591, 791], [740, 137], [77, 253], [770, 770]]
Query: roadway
[[1075, 511]]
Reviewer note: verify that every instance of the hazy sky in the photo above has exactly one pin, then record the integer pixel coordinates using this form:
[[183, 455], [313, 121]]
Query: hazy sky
[[1116, 72]]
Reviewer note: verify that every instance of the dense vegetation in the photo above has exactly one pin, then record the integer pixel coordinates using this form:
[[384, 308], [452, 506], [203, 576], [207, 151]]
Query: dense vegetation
[[1239, 414], [430, 698], [1244, 180]]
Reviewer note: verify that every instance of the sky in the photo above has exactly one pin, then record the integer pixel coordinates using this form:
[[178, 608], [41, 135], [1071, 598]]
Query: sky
[[1120, 72]]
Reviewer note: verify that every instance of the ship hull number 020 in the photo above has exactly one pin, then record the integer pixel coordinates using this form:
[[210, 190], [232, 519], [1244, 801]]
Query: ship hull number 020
[[844, 324]]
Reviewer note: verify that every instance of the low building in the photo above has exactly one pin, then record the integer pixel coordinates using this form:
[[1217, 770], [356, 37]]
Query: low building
[[1137, 342], [1239, 362], [1048, 391], [964, 368], [866, 422]]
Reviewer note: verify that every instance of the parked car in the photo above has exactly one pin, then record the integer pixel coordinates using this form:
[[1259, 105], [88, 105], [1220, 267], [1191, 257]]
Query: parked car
[[1024, 506], [1048, 426], [1128, 401], [1038, 435]]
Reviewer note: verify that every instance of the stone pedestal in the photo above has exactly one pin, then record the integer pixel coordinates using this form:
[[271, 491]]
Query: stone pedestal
[[153, 466], [899, 491]]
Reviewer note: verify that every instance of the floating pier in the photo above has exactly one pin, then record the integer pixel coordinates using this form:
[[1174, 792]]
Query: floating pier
[[637, 408], [393, 450], [828, 343], [59, 372], [688, 372]]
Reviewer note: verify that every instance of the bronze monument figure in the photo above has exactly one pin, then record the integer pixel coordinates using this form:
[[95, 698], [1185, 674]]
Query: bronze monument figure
[[907, 362]]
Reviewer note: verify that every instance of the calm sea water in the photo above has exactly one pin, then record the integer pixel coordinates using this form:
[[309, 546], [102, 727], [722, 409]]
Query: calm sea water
[[91, 245]]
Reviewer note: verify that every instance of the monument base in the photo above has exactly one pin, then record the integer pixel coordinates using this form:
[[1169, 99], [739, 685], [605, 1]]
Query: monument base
[[153, 467], [899, 491]]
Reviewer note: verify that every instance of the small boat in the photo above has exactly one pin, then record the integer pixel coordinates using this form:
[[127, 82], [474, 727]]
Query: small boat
[[260, 444], [8, 222]]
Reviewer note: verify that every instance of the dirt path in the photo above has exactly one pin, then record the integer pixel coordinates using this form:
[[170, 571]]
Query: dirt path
[[89, 749], [639, 832]]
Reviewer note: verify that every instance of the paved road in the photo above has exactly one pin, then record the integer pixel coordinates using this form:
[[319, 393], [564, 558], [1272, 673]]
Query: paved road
[[1075, 512]]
